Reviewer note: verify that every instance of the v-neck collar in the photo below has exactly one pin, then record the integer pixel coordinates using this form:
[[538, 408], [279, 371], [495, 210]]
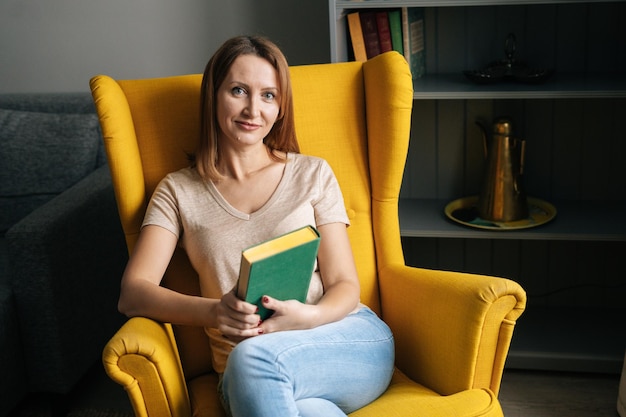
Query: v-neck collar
[[275, 195]]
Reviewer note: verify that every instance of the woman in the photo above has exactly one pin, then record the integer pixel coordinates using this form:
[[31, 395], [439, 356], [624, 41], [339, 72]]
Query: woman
[[326, 357]]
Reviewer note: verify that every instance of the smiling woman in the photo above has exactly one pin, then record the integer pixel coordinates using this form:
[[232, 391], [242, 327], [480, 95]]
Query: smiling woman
[[247, 103], [247, 108], [250, 184], [261, 66]]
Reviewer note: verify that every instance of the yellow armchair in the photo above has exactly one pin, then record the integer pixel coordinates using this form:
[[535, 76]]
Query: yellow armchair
[[452, 330]]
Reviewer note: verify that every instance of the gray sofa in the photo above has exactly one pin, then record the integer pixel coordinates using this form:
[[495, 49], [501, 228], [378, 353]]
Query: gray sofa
[[62, 251]]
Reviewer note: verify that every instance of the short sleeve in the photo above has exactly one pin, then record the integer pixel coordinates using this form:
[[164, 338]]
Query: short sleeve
[[329, 206], [163, 209]]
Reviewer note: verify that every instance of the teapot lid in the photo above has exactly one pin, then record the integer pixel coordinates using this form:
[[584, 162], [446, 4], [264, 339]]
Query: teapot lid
[[503, 126]]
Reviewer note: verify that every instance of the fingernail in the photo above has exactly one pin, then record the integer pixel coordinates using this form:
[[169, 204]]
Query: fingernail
[[260, 331], [260, 322], [266, 299], [257, 309]]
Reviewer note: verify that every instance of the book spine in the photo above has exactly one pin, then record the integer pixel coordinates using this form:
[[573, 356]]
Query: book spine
[[413, 38], [356, 36], [405, 35], [395, 29], [384, 32], [370, 34]]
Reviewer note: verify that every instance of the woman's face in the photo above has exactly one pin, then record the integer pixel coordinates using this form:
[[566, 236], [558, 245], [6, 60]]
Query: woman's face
[[248, 101]]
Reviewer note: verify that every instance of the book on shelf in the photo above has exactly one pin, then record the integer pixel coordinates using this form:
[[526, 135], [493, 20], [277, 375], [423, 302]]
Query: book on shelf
[[369, 26], [370, 34], [401, 29], [384, 31], [356, 36], [413, 40], [280, 268], [395, 28]]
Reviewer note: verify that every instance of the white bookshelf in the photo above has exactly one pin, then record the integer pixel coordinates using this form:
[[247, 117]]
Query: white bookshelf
[[442, 165]]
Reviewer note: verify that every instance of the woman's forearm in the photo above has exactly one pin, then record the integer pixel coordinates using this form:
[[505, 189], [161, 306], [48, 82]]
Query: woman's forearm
[[338, 301], [145, 299]]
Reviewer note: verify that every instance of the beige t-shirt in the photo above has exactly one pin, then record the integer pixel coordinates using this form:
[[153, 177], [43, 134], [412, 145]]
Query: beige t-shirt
[[213, 233]]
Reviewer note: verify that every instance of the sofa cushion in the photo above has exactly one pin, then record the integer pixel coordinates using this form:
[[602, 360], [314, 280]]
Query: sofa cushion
[[70, 103], [41, 155], [4, 262], [13, 382]]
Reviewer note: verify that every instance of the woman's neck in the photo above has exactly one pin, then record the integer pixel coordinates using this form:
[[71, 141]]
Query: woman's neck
[[238, 164]]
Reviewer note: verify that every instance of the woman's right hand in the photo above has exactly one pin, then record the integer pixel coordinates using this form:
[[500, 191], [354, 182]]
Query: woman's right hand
[[237, 319]]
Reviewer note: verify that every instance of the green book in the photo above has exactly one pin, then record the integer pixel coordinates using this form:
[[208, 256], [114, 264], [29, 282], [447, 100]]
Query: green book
[[280, 267], [395, 27]]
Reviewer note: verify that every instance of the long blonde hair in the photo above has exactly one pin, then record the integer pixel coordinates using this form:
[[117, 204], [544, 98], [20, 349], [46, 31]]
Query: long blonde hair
[[282, 136]]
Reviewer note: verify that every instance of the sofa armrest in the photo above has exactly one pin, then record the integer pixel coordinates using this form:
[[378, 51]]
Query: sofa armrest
[[452, 330], [65, 260], [143, 357]]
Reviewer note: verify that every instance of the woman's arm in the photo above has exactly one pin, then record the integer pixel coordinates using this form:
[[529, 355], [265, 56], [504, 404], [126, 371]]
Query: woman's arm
[[341, 287], [142, 295]]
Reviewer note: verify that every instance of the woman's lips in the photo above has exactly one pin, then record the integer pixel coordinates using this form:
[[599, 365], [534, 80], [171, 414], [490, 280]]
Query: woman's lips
[[248, 126]]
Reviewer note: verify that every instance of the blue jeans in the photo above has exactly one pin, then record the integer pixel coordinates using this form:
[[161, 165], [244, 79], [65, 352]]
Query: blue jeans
[[327, 371]]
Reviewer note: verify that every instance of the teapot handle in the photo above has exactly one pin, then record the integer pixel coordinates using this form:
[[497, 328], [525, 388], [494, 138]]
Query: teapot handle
[[483, 129], [522, 157]]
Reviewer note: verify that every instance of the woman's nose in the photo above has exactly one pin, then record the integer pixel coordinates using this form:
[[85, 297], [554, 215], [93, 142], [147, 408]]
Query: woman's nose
[[252, 106]]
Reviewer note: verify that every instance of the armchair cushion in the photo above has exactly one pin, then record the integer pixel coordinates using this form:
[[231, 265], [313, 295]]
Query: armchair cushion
[[403, 398], [44, 143]]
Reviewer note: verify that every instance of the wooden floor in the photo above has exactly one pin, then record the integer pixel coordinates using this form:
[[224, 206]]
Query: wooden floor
[[549, 394], [523, 394]]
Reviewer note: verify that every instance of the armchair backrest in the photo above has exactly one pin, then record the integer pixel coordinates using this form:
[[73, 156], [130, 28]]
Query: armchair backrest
[[355, 115]]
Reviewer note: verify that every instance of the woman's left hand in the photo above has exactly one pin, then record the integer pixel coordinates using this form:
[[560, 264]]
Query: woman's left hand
[[340, 281], [288, 315]]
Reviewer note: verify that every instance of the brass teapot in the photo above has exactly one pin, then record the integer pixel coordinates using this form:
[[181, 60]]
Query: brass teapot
[[502, 197]]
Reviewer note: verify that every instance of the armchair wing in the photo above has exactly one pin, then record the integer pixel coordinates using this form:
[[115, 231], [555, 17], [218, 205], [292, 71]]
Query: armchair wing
[[452, 330]]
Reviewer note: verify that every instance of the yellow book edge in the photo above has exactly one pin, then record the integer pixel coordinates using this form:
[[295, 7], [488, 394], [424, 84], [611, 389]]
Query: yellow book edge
[[270, 248], [280, 243]]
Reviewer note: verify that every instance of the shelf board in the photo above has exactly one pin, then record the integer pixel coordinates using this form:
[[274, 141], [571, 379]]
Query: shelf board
[[366, 4], [456, 86], [575, 220], [580, 339]]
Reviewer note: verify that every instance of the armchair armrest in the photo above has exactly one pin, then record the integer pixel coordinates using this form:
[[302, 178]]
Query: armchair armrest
[[143, 357], [452, 330], [65, 262]]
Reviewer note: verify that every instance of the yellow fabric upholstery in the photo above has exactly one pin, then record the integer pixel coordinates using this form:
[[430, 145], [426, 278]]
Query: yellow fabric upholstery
[[452, 330]]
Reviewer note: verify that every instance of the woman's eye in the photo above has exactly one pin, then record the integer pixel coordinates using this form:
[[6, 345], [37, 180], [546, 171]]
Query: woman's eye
[[269, 96], [238, 91]]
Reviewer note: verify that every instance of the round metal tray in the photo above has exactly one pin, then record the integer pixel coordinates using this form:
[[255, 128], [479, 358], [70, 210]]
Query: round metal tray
[[464, 211]]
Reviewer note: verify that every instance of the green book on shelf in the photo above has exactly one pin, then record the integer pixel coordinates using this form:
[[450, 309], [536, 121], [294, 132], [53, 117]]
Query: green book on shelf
[[395, 27], [280, 267]]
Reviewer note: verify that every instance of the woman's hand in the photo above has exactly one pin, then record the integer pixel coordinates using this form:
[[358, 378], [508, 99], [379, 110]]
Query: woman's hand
[[341, 287], [288, 315], [237, 319]]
